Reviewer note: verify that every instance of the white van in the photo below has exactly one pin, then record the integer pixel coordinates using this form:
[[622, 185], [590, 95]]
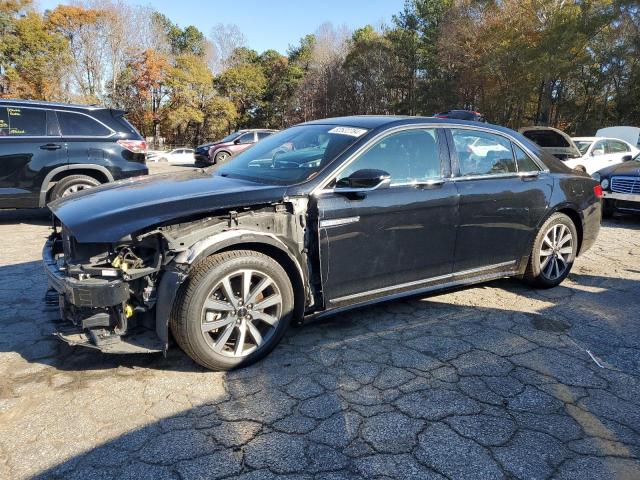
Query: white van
[[628, 134]]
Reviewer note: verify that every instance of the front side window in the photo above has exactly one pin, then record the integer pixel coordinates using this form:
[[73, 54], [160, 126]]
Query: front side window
[[22, 122], [598, 149], [617, 147], [482, 153], [292, 155], [408, 156], [77, 125], [246, 138]]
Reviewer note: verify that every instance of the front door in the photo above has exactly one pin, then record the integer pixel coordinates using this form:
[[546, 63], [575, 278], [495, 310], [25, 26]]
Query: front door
[[503, 197], [30, 147], [390, 239]]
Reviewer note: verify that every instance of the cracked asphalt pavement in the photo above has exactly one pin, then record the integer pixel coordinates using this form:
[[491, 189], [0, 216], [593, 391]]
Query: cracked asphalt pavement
[[494, 381]]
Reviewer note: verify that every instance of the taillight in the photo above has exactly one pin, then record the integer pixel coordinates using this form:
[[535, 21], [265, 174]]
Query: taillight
[[597, 191], [135, 146]]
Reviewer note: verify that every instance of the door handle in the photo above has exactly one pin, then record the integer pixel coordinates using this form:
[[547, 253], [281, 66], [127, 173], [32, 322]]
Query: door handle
[[50, 146]]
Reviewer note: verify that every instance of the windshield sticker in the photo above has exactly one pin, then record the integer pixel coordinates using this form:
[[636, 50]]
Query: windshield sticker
[[351, 131]]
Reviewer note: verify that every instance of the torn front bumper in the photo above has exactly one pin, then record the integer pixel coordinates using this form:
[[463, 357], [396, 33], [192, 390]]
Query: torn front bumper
[[92, 309], [90, 292]]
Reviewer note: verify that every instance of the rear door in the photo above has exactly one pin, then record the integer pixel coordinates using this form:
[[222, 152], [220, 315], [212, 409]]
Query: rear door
[[30, 148], [503, 193]]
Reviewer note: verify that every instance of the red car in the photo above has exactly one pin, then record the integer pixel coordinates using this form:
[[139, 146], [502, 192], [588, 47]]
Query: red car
[[238, 141]]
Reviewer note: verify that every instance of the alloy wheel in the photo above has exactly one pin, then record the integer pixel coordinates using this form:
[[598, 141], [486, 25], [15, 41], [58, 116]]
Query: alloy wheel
[[556, 251], [241, 313], [76, 187]]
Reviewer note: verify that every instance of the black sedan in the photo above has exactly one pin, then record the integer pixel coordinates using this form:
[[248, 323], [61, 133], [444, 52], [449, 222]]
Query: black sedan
[[324, 216], [621, 187]]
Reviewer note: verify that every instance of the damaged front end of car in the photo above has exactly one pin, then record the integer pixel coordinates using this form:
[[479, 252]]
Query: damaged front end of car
[[118, 297]]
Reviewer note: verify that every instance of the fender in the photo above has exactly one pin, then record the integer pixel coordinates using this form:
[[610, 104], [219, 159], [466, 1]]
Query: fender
[[76, 166], [174, 277]]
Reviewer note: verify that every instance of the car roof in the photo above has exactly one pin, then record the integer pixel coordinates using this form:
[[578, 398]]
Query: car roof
[[44, 104], [593, 139], [376, 121]]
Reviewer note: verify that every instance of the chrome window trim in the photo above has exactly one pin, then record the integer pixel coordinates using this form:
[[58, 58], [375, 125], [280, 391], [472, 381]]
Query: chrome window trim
[[355, 155], [415, 283], [113, 132], [321, 188]]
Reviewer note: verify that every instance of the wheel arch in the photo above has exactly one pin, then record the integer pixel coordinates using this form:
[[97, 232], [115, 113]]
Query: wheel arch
[[570, 211], [98, 172], [230, 240], [222, 150]]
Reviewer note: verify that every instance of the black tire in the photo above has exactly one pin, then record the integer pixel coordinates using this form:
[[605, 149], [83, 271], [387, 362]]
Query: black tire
[[607, 208], [221, 157], [537, 272], [189, 313], [77, 182]]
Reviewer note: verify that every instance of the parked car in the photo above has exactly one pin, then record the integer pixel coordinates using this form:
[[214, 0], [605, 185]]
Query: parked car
[[552, 140], [630, 135], [49, 150], [468, 115], [373, 208], [598, 153], [232, 144], [202, 154], [177, 156], [621, 186]]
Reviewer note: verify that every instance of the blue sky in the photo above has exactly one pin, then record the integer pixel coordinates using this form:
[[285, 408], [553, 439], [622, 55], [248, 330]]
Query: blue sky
[[271, 23]]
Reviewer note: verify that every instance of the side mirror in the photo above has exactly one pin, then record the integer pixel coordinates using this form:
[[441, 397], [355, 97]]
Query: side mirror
[[363, 181], [236, 141], [627, 158]]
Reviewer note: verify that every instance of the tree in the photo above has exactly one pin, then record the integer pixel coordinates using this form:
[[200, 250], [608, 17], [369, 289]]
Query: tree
[[33, 57], [244, 83], [224, 41]]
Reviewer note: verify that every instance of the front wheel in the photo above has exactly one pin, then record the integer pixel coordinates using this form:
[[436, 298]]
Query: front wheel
[[233, 309], [221, 157], [607, 208], [554, 250]]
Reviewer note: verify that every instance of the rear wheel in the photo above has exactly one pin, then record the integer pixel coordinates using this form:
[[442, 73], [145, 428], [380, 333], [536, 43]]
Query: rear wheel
[[233, 309], [72, 184], [553, 253]]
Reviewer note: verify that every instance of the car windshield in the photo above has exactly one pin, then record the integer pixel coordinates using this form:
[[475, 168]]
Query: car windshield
[[231, 137], [583, 145], [293, 155]]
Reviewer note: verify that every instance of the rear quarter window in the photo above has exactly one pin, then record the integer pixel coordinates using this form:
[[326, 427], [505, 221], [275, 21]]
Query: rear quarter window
[[77, 125]]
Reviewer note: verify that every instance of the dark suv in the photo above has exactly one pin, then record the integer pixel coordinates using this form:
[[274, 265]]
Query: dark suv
[[49, 150]]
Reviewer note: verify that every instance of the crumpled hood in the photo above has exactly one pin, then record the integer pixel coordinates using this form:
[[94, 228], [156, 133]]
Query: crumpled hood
[[112, 211]]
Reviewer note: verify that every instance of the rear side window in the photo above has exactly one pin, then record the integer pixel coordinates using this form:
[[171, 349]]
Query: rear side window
[[482, 153], [261, 135], [617, 147], [525, 162], [546, 138], [77, 125], [21, 122]]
